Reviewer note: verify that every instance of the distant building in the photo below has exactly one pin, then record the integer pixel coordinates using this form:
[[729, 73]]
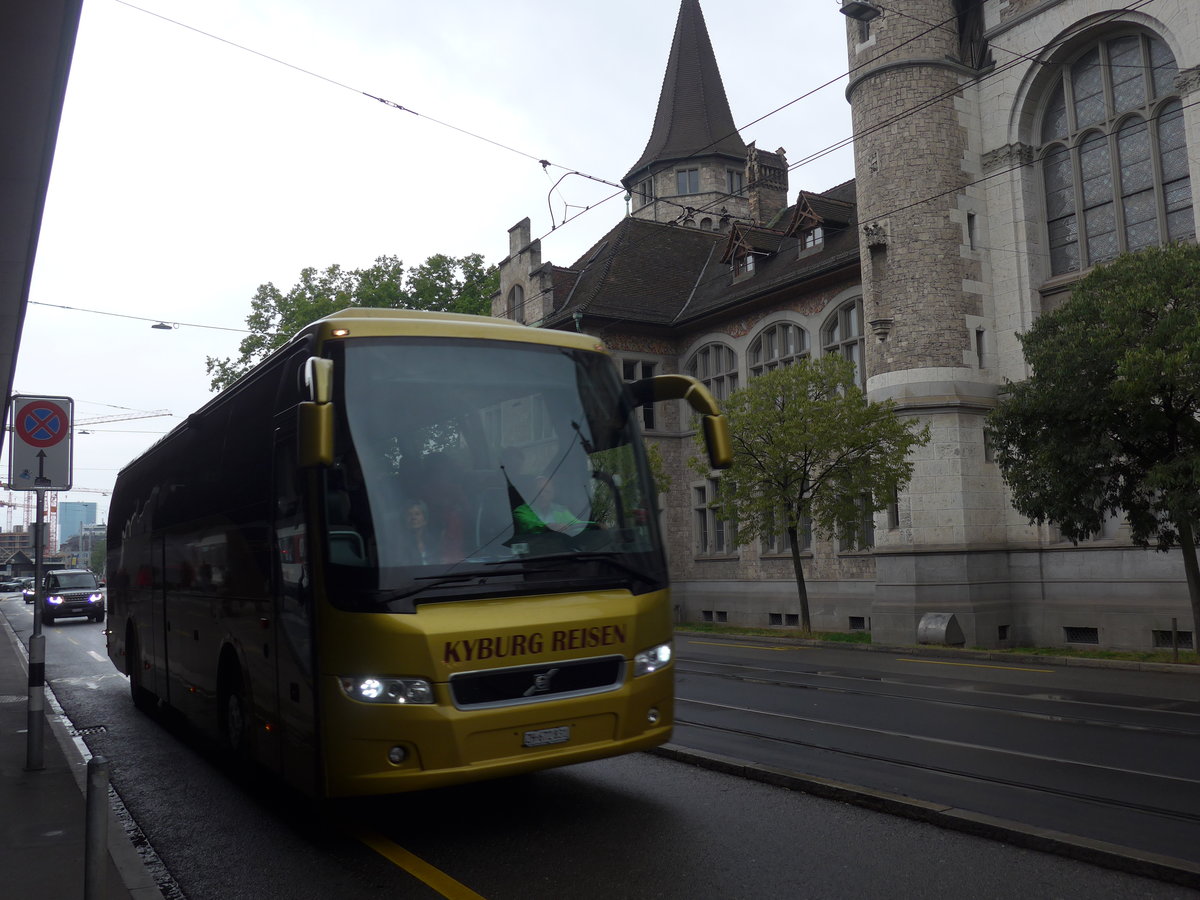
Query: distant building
[[72, 517]]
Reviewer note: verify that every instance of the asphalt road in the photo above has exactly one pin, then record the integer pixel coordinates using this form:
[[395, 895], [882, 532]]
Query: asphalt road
[[638, 826]]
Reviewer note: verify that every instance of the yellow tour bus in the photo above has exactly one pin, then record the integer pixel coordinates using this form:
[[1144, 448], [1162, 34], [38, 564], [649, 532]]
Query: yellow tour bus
[[406, 550]]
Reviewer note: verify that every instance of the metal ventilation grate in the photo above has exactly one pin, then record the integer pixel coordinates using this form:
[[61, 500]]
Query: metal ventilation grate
[[1075, 635]]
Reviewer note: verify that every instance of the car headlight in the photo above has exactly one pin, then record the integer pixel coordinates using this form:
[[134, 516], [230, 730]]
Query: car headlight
[[379, 689], [95, 598], [652, 660], [54, 599]]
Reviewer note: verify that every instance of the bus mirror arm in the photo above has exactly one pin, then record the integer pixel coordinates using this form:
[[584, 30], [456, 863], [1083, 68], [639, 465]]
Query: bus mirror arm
[[318, 379], [685, 387]]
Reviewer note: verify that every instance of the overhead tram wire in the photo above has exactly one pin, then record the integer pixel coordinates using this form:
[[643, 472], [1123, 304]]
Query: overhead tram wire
[[701, 151], [385, 101], [137, 318], [924, 104], [401, 108], [546, 163]]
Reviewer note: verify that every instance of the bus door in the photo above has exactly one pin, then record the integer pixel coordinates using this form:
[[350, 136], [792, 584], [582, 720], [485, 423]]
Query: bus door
[[294, 597]]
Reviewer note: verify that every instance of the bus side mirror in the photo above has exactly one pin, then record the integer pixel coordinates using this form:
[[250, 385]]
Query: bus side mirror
[[314, 428], [314, 434], [684, 387]]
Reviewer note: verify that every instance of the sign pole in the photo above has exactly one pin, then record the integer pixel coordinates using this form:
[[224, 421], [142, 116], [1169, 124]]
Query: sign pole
[[39, 460], [37, 650]]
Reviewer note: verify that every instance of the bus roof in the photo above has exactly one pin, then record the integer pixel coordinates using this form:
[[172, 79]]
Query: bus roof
[[364, 322]]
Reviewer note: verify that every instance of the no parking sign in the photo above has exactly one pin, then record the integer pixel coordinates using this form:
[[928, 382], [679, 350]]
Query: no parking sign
[[39, 457]]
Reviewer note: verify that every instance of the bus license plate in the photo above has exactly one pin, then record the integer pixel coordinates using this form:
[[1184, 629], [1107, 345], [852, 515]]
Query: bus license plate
[[544, 736]]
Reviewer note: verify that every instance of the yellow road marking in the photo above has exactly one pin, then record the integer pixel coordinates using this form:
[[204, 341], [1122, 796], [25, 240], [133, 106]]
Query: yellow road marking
[[746, 646], [415, 866], [944, 662]]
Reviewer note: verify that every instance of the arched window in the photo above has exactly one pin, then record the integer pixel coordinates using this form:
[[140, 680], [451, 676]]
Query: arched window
[[715, 365], [779, 345], [1113, 155], [843, 335], [516, 303]]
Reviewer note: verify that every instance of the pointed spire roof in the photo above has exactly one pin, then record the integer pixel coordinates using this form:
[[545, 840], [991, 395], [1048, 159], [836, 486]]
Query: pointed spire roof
[[693, 117]]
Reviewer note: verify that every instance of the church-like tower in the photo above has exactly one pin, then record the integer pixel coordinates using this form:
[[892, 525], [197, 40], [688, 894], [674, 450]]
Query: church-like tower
[[927, 307], [695, 159]]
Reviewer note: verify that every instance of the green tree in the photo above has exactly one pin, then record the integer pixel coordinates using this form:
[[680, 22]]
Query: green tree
[[441, 283], [808, 444], [1107, 423]]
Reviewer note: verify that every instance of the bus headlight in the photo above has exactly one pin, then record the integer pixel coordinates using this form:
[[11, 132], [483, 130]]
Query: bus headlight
[[373, 689], [652, 660]]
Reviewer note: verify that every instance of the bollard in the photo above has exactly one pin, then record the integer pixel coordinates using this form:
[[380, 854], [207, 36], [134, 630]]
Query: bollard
[[95, 852], [37, 700]]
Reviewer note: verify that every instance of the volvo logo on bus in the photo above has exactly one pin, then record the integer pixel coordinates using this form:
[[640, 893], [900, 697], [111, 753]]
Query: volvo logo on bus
[[541, 683]]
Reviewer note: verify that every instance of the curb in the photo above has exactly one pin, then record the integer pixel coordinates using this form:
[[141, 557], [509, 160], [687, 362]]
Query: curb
[[1100, 853]]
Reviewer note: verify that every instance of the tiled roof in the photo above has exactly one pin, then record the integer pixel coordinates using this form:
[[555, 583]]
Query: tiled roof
[[640, 271], [652, 274]]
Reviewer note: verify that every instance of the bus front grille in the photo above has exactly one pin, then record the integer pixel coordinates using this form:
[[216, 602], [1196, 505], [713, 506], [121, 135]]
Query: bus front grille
[[534, 684]]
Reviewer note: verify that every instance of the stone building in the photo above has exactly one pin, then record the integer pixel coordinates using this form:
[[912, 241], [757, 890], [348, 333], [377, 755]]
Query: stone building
[[1002, 148]]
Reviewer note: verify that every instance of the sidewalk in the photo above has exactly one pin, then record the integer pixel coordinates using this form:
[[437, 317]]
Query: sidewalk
[[42, 813]]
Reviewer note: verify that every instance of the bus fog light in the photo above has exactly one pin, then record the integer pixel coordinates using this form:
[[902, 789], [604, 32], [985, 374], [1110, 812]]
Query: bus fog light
[[652, 660], [652, 716], [397, 755], [379, 689]]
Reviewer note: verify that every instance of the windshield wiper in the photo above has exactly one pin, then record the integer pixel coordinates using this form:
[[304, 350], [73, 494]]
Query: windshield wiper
[[615, 561], [385, 597]]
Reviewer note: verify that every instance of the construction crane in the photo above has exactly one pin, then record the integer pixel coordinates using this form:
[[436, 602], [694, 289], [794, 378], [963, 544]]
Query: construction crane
[[122, 417]]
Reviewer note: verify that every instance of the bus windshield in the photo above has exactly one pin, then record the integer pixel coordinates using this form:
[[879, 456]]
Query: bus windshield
[[470, 468]]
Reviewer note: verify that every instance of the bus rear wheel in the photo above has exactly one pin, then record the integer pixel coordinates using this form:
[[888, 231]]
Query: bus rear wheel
[[234, 723], [142, 698]]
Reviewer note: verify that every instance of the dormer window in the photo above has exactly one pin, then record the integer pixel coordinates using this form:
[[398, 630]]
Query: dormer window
[[743, 265], [811, 238]]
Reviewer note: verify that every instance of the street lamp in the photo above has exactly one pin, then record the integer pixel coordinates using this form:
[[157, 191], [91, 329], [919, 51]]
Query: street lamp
[[862, 10]]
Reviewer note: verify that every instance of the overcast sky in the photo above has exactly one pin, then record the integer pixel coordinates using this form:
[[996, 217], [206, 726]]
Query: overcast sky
[[210, 146]]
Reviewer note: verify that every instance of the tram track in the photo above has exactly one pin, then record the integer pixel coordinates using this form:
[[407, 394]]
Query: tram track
[[957, 697], [1191, 785]]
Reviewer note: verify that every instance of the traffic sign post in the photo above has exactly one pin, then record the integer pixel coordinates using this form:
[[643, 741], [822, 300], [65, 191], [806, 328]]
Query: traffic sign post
[[39, 459]]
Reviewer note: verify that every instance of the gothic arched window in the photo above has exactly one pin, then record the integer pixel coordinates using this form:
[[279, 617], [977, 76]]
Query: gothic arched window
[[779, 345], [843, 334], [1114, 156], [716, 366]]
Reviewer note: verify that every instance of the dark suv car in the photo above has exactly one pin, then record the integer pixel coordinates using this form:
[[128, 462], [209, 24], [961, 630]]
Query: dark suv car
[[71, 592]]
